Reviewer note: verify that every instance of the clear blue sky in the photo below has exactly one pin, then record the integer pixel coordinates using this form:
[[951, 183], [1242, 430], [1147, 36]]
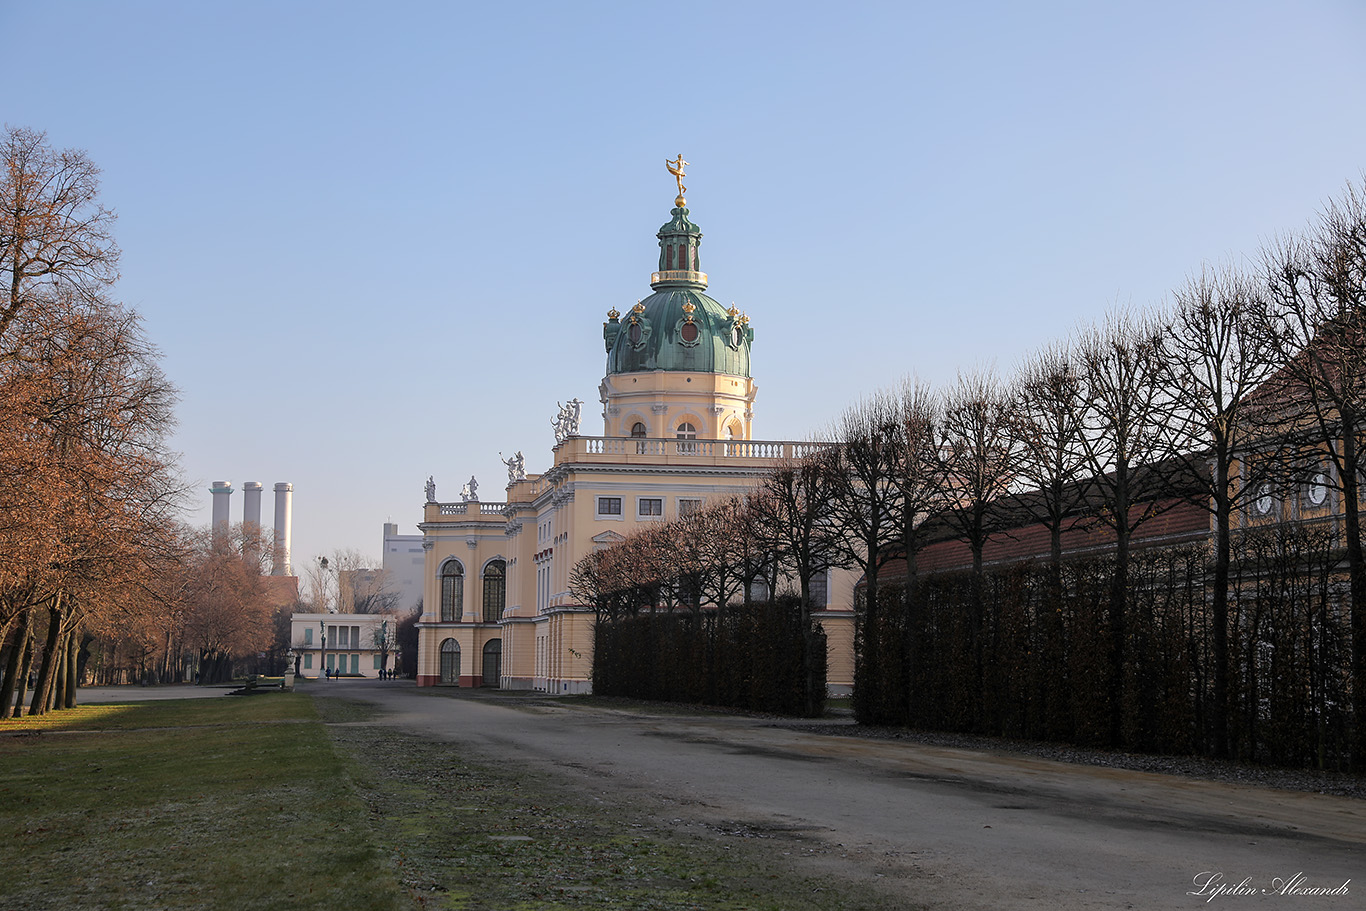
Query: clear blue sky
[[377, 241]]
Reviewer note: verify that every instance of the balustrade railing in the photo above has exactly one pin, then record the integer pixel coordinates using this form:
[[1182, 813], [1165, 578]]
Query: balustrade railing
[[461, 509], [678, 275], [725, 449], [628, 448]]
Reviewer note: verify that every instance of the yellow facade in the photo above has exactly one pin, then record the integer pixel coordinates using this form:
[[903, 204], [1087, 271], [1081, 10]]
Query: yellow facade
[[599, 490]]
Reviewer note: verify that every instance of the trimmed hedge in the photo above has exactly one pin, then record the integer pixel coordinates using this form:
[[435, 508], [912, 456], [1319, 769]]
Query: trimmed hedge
[[752, 657]]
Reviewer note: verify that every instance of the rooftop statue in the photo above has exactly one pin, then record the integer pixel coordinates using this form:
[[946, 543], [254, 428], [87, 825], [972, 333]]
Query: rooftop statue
[[516, 466], [676, 169], [566, 422], [470, 492], [431, 490]]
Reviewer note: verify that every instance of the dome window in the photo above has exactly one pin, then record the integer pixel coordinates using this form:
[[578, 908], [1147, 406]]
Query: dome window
[[687, 434], [637, 334], [689, 333]]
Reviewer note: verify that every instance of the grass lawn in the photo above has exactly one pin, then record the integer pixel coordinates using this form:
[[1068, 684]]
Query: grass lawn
[[264, 803], [233, 803]]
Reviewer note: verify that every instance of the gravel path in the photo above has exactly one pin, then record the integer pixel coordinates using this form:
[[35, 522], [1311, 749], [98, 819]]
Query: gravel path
[[952, 824], [1335, 783]]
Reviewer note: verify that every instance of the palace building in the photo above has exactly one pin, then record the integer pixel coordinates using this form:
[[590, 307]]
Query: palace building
[[678, 416]]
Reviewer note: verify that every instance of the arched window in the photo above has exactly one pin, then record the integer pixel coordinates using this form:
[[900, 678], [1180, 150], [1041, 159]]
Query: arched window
[[452, 591], [450, 661], [495, 590], [637, 430], [493, 663]]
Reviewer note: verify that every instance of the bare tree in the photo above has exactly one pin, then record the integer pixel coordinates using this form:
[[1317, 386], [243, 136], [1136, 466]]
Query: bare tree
[[361, 589], [793, 508], [868, 506], [1046, 424], [793, 514], [1316, 286], [977, 465], [1216, 360], [917, 475], [721, 531], [55, 236], [1124, 424]]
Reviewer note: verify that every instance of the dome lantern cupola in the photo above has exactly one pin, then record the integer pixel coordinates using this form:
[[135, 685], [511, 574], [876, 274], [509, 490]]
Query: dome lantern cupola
[[679, 266]]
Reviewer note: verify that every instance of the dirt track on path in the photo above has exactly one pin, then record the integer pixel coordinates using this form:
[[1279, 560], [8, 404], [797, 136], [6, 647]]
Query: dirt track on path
[[949, 828]]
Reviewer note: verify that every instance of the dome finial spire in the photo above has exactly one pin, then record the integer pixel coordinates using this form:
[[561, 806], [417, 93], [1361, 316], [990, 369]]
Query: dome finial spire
[[676, 169]]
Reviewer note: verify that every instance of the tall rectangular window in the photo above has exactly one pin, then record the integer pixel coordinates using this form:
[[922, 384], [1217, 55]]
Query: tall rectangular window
[[495, 590], [308, 635]]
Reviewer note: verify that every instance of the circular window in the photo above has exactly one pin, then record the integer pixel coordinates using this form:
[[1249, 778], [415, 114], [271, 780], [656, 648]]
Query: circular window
[[689, 332], [739, 336], [1318, 490], [635, 333], [1262, 505]]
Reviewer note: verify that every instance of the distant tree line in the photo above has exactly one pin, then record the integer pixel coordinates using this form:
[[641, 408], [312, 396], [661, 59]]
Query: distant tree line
[[1244, 398]]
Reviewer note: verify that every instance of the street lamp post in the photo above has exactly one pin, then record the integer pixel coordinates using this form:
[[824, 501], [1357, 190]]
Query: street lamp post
[[322, 624]]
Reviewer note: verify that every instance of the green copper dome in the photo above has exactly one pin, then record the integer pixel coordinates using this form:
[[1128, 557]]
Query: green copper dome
[[678, 327]]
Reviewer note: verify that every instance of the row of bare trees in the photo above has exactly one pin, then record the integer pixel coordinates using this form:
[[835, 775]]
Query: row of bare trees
[[1244, 395], [1247, 389], [99, 581], [87, 484]]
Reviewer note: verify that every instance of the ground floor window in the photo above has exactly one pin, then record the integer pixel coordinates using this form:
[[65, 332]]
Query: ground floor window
[[493, 662], [308, 662], [450, 661]]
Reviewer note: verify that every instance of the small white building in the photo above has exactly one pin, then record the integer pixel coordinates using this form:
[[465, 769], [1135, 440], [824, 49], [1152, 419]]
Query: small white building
[[348, 644]]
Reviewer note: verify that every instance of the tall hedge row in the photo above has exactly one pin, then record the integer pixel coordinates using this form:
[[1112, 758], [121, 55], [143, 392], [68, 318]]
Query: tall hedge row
[[749, 657], [1030, 667]]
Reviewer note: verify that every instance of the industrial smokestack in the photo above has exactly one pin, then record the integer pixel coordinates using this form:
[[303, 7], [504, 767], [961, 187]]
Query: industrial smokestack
[[222, 494], [284, 493], [251, 504], [251, 519]]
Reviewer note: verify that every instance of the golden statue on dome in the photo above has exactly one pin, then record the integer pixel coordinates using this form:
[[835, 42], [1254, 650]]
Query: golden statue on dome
[[676, 169]]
